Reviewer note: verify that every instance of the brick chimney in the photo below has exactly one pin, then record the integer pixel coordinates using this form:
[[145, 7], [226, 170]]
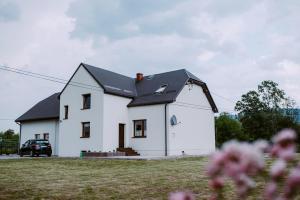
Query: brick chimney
[[139, 77]]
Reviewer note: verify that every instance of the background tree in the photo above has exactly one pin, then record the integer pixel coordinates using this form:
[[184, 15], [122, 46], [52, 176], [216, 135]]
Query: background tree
[[266, 111], [9, 134], [227, 129]]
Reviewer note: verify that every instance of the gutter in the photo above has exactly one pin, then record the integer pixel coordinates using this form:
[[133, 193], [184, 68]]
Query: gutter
[[166, 131], [20, 125]]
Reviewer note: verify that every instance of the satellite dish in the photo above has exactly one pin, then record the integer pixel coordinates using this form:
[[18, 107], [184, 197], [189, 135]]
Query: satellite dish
[[173, 120]]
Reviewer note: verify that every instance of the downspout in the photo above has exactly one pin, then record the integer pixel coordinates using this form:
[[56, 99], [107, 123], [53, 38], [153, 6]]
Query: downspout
[[166, 131], [20, 125]]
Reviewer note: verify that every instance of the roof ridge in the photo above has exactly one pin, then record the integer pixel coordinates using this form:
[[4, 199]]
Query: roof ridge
[[88, 65], [166, 72]]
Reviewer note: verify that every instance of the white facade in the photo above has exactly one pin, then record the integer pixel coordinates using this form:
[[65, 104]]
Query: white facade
[[29, 129], [115, 112], [195, 132], [154, 143], [70, 141]]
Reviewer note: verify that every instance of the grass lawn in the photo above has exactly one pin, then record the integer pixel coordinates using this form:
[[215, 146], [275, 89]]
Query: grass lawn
[[58, 178]]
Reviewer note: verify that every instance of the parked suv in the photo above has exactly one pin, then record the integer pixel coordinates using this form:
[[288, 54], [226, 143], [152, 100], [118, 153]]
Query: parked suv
[[36, 147]]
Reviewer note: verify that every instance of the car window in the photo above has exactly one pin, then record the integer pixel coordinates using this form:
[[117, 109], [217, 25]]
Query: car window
[[44, 142]]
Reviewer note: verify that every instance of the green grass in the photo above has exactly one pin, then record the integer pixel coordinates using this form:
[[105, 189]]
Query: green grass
[[58, 178]]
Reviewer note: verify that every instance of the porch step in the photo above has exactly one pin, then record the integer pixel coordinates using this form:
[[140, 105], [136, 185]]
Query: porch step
[[128, 151]]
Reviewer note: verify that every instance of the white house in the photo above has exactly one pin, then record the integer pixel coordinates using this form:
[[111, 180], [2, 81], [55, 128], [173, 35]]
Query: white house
[[98, 110]]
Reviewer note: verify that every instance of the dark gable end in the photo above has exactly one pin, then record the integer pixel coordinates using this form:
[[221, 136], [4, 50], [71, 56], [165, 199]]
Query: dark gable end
[[43, 110]]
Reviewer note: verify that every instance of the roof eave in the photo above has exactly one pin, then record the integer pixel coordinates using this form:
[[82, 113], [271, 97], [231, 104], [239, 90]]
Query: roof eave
[[207, 94], [149, 104], [36, 119]]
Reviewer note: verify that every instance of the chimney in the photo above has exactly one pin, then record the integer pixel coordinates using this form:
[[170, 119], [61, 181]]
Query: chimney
[[139, 77]]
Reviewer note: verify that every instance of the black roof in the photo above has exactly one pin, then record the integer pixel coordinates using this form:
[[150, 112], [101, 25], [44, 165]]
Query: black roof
[[143, 92], [112, 82], [45, 109]]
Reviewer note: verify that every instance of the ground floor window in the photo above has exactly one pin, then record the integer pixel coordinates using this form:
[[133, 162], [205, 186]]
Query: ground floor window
[[37, 136], [85, 130], [140, 127], [46, 136]]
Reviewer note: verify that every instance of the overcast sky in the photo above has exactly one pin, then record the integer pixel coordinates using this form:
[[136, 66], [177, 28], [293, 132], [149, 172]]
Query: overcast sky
[[231, 45]]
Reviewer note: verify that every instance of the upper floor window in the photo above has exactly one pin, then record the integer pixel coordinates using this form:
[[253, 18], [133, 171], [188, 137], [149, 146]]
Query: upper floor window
[[66, 112], [85, 130], [140, 127], [46, 136], [37, 136], [86, 101]]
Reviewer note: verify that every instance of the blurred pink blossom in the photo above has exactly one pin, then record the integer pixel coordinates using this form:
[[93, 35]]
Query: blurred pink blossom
[[262, 145], [271, 191], [284, 145], [278, 169], [292, 183], [216, 183], [181, 196]]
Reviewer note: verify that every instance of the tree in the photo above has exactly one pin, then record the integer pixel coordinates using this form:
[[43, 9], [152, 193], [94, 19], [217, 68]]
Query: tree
[[9, 134], [265, 111], [227, 129]]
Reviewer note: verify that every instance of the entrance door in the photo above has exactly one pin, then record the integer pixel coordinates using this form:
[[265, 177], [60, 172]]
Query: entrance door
[[121, 135]]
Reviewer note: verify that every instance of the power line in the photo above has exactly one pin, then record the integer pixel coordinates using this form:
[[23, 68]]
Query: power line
[[225, 98], [49, 78], [73, 83]]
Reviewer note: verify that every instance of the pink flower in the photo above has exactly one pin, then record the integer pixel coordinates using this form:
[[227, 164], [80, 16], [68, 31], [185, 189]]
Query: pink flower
[[293, 182], [242, 158], [284, 145], [285, 136], [181, 196], [244, 184], [261, 145], [271, 191], [216, 163], [278, 169], [216, 183]]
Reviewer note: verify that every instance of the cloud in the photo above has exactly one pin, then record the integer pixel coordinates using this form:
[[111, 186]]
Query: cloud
[[231, 45], [9, 11]]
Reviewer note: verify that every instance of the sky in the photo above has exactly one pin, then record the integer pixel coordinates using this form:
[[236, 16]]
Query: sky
[[231, 45]]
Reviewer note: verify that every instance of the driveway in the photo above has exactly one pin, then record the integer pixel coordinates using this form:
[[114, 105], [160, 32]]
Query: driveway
[[11, 156]]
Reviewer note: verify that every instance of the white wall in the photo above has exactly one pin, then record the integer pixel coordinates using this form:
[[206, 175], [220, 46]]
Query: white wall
[[115, 111], [29, 129], [154, 143], [195, 133], [70, 130]]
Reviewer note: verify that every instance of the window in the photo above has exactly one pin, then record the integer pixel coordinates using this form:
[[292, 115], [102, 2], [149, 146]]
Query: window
[[46, 136], [66, 112], [37, 136], [86, 101], [139, 128], [161, 89], [85, 130]]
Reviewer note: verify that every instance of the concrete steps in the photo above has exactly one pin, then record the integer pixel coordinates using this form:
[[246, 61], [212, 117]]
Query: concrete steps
[[128, 151]]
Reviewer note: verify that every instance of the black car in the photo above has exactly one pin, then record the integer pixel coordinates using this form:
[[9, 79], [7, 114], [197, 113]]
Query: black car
[[36, 147]]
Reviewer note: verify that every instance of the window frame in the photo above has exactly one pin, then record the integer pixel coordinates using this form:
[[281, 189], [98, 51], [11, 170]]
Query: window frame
[[144, 128], [83, 134], [35, 136], [66, 112], [44, 136], [84, 99]]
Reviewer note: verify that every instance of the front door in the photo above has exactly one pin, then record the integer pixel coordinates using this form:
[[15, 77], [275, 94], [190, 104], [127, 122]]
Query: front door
[[121, 135]]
